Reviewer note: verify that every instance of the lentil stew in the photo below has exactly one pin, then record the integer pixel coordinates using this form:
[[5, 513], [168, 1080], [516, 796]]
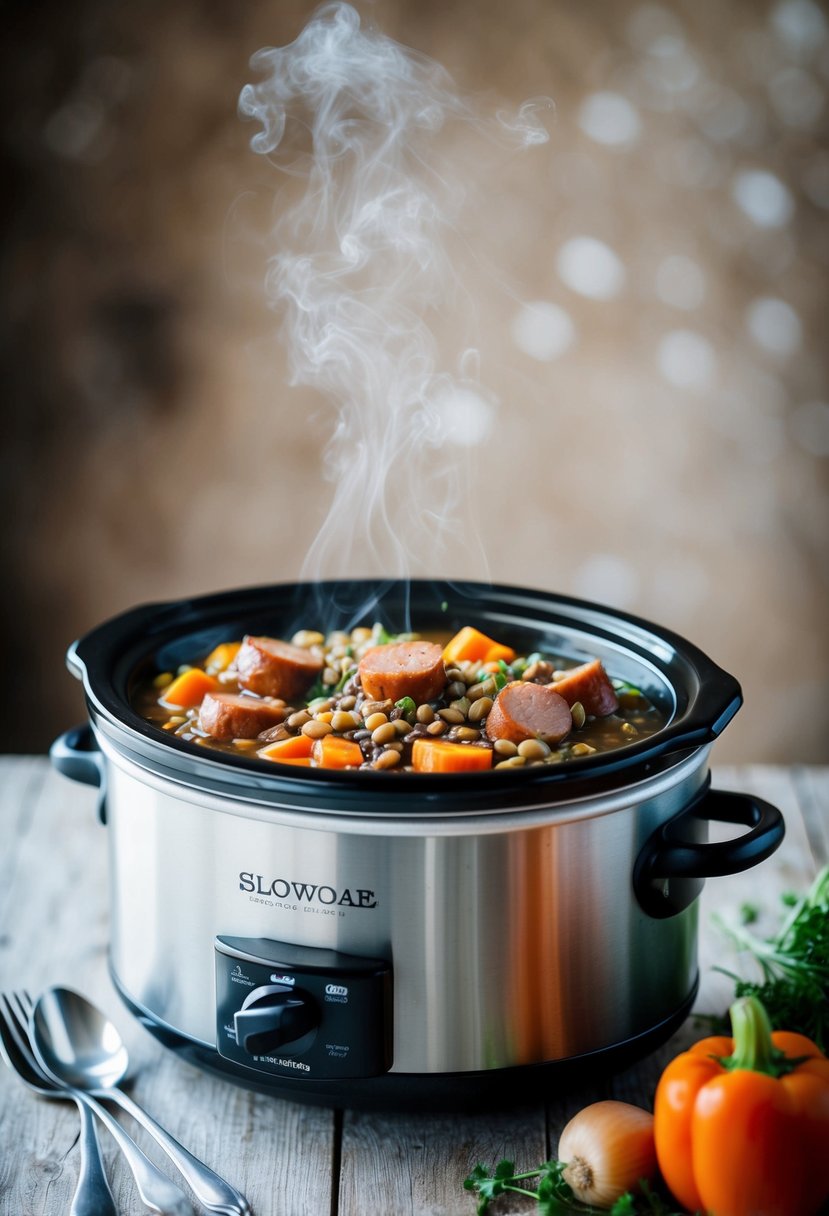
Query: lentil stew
[[365, 699]]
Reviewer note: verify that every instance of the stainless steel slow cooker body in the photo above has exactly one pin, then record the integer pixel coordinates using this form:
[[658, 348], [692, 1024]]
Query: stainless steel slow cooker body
[[391, 939]]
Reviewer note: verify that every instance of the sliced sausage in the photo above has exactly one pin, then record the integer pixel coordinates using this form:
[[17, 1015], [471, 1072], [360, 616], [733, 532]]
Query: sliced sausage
[[591, 685], [225, 715], [276, 669], [528, 711], [403, 669]]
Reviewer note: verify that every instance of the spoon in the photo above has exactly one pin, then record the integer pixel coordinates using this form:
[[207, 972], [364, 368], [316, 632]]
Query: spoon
[[156, 1190], [92, 1194], [84, 1050]]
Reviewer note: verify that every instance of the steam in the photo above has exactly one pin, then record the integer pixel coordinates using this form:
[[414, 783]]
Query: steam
[[366, 271]]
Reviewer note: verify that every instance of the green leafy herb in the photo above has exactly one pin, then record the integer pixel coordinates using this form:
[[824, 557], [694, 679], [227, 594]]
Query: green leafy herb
[[794, 965], [409, 708], [344, 678], [552, 1195]]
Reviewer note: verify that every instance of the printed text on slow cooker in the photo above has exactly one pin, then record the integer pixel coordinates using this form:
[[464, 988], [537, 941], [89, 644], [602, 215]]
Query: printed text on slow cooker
[[309, 897]]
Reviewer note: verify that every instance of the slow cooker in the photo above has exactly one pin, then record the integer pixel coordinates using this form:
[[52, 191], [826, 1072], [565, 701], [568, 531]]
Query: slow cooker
[[395, 940]]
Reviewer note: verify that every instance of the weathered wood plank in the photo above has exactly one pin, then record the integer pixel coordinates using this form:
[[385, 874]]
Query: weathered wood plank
[[812, 785], [414, 1165], [55, 930]]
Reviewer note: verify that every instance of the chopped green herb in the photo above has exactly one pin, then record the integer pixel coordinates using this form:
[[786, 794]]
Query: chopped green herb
[[748, 914], [344, 678], [408, 707]]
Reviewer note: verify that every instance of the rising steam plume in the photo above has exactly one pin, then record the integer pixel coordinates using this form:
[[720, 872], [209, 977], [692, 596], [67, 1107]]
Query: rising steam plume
[[366, 270]]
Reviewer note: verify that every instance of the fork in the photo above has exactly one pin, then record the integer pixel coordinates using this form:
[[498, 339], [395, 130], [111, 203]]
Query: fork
[[92, 1195], [155, 1188]]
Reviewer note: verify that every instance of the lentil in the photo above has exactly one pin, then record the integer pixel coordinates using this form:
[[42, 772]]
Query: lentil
[[316, 729], [468, 734], [384, 733], [483, 689], [374, 720], [533, 749], [387, 759], [479, 709]]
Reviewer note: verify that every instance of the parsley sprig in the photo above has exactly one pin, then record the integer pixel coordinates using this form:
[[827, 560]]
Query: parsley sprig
[[552, 1195]]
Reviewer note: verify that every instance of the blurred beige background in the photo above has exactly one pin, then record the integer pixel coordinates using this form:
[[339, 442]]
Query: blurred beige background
[[658, 349]]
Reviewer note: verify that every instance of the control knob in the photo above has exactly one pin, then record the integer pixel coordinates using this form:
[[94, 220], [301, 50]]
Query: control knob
[[276, 1017]]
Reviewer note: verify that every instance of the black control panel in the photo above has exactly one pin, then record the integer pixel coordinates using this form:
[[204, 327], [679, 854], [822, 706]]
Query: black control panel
[[301, 1011]]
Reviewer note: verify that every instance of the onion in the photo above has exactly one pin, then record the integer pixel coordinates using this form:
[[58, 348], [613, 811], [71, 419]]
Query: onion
[[607, 1148]]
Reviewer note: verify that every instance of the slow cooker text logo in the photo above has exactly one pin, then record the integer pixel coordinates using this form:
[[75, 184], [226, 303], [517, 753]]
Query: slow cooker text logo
[[305, 893]]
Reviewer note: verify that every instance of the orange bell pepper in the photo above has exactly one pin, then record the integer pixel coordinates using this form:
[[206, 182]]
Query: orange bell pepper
[[742, 1125]]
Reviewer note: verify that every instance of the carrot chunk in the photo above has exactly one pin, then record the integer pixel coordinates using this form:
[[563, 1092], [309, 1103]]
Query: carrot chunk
[[469, 644], [222, 656], [497, 652], [435, 756], [288, 751], [332, 751], [188, 689]]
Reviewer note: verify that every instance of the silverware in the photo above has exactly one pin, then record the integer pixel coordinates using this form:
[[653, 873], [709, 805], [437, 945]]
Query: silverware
[[156, 1190], [77, 1043], [92, 1195]]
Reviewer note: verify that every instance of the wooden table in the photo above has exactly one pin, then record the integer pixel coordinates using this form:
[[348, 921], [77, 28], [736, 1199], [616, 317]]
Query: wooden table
[[293, 1160]]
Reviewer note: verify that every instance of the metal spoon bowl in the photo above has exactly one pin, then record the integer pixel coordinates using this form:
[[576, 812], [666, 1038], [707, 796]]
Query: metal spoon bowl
[[83, 1049], [84, 1046]]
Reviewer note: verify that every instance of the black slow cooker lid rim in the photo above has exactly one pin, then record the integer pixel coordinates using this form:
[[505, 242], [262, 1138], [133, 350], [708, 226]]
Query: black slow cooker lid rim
[[706, 697]]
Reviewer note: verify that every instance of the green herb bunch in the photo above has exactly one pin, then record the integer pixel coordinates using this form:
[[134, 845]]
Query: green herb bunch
[[794, 964]]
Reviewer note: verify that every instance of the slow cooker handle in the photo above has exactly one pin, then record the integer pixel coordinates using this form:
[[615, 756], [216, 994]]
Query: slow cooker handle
[[674, 861], [76, 755]]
